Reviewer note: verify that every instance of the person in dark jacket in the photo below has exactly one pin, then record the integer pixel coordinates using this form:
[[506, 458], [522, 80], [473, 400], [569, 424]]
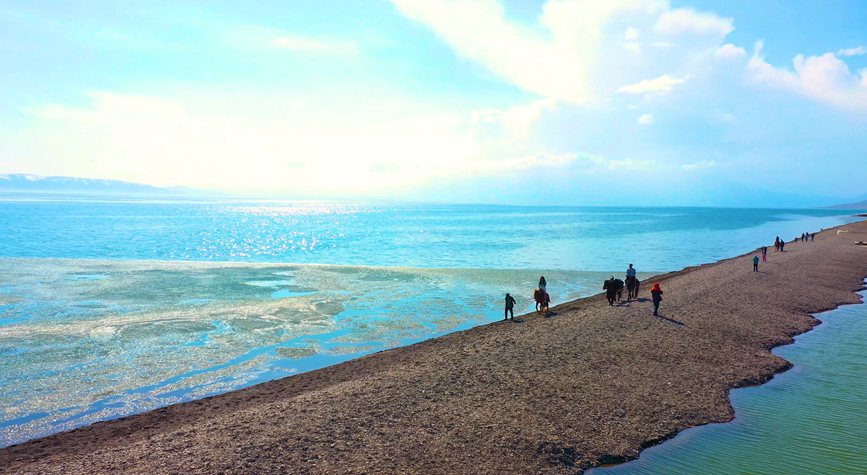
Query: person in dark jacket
[[610, 288], [755, 263], [619, 285], [510, 307], [656, 293]]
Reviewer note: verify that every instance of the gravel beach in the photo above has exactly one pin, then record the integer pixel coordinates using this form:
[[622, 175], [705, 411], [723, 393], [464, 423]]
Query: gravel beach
[[590, 384]]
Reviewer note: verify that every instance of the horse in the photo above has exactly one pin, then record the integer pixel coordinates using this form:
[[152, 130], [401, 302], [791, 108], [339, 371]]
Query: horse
[[631, 287], [618, 284], [542, 300]]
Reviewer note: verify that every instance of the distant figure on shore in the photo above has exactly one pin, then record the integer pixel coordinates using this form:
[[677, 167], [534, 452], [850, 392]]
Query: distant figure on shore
[[756, 263], [656, 294], [543, 284], [610, 288], [630, 271], [764, 253], [782, 245], [812, 237], [777, 244], [510, 307]]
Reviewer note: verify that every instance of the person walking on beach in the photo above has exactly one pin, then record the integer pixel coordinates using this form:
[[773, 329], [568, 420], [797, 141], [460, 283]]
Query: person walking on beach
[[764, 253], [610, 288], [656, 294], [777, 244], [510, 307], [756, 263], [782, 246], [812, 237]]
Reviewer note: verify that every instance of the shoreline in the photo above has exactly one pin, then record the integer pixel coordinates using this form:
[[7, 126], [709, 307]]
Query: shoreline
[[591, 385], [786, 402]]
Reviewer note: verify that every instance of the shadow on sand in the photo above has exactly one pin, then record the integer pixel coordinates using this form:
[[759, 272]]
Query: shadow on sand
[[681, 324]]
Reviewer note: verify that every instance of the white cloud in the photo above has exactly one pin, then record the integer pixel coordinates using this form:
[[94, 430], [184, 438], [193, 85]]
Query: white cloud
[[661, 85], [296, 43], [646, 119], [630, 164], [516, 123], [688, 21], [823, 78], [254, 37], [857, 51], [702, 165], [577, 49], [662, 44], [480, 31], [634, 48], [539, 161], [167, 142], [730, 51], [284, 148]]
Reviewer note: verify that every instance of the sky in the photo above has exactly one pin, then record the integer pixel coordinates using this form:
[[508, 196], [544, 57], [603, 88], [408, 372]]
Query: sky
[[560, 102]]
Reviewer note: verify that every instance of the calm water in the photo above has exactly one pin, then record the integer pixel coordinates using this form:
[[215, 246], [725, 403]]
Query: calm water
[[811, 419], [108, 309]]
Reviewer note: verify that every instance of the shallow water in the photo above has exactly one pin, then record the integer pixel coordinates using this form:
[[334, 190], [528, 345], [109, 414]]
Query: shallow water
[[85, 340], [810, 419], [108, 309]]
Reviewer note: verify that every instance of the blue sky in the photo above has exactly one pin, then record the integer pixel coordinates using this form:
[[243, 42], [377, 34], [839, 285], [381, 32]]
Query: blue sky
[[646, 102]]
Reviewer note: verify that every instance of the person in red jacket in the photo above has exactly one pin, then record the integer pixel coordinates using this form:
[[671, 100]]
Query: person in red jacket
[[656, 294]]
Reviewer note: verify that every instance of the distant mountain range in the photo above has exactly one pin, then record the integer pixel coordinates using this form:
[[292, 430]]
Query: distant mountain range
[[858, 205], [23, 183]]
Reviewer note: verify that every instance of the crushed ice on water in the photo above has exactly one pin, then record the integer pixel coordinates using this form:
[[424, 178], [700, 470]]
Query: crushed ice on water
[[88, 340]]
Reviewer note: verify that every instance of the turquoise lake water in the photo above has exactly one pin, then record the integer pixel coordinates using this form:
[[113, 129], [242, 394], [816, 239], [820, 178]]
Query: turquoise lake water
[[113, 308], [810, 419]]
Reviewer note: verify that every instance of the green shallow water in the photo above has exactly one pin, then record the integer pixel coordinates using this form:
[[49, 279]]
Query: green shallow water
[[811, 419]]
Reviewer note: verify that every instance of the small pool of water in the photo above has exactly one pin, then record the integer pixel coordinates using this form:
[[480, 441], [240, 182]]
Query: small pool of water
[[810, 419]]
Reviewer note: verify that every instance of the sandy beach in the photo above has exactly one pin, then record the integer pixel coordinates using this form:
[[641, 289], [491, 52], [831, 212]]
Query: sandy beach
[[591, 384]]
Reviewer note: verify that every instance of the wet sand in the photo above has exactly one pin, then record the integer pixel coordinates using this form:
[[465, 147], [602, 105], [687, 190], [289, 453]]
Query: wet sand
[[590, 384]]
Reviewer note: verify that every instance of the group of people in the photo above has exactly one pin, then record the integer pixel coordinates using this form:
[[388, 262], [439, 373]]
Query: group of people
[[614, 287], [540, 295], [779, 245], [807, 237], [613, 290]]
